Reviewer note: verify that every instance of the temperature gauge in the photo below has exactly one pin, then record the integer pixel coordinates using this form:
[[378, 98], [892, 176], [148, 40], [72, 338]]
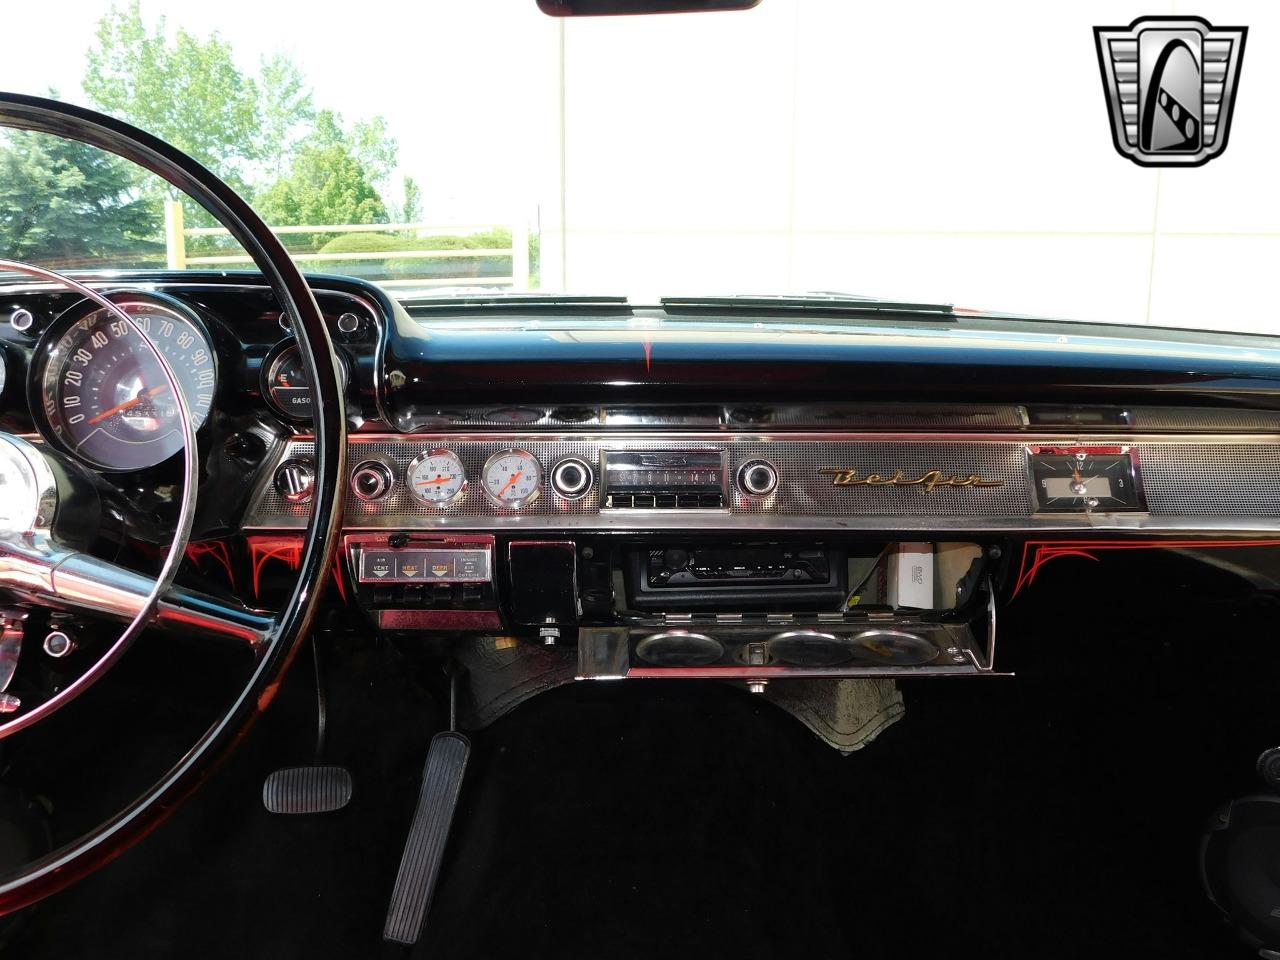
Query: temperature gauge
[[1083, 479], [436, 478], [512, 478]]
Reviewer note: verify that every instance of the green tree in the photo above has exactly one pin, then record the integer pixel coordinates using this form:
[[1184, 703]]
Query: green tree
[[186, 91], [69, 204], [411, 212], [367, 141], [326, 184], [285, 113]]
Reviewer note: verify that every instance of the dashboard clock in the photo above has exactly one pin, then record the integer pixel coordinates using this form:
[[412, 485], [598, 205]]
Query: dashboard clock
[[1085, 479]]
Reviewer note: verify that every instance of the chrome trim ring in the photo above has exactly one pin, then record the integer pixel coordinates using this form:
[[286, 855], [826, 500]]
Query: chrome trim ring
[[520, 502], [427, 455], [565, 492]]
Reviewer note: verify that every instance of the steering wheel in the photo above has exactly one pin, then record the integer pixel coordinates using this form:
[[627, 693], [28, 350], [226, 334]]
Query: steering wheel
[[38, 568]]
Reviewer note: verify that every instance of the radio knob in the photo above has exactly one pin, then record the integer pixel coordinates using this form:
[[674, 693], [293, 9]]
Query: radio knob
[[295, 480], [571, 478], [372, 480], [757, 478]]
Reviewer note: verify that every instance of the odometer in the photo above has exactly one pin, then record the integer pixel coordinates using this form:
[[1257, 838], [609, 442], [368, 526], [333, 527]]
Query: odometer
[[105, 396]]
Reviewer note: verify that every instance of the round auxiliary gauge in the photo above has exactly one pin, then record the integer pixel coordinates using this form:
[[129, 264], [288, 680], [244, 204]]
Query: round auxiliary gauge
[[512, 478], [286, 386], [436, 478]]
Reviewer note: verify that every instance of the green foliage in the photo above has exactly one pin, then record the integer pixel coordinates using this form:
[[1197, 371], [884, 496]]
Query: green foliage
[[326, 184], [67, 204], [285, 113], [263, 134], [391, 242], [411, 212], [188, 92]]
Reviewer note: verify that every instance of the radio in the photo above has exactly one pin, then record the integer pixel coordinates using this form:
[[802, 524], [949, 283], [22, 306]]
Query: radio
[[737, 577], [664, 479]]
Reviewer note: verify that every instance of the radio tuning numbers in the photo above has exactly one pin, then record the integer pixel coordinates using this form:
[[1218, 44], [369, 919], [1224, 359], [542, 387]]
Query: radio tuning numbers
[[1084, 480]]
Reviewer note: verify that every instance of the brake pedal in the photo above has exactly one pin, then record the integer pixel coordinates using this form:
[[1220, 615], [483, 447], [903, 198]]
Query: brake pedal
[[318, 787], [424, 850], [311, 789]]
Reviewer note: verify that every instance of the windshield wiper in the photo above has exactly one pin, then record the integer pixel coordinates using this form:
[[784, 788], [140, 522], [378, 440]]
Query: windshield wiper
[[830, 304]]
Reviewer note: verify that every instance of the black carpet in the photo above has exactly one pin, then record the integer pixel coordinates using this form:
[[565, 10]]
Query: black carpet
[[1051, 815]]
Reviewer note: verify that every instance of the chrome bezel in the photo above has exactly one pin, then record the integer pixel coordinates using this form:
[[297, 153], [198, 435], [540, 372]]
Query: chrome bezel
[[749, 465], [271, 363], [389, 471], [521, 502], [427, 455], [587, 472], [49, 356]]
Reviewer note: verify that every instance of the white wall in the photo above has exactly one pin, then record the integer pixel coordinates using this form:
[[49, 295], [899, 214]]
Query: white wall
[[946, 151]]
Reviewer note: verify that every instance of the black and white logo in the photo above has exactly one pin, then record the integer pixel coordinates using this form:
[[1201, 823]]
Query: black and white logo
[[1170, 85]]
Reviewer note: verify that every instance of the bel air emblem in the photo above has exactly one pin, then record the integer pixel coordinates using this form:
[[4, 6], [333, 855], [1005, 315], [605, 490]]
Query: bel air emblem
[[1170, 85], [928, 481]]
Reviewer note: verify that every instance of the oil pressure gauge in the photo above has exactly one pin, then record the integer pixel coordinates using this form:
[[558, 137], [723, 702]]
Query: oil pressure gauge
[[1085, 479], [512, 478]]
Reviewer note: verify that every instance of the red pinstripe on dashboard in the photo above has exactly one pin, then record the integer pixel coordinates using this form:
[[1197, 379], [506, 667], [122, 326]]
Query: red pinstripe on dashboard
[[1036, 553]]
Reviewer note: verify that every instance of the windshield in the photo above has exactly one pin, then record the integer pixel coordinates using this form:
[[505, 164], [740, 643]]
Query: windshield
[[927, 154]]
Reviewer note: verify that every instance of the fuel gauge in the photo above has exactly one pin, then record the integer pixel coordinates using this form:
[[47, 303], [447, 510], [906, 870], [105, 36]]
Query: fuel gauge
[[1084, 479], [286, 385]]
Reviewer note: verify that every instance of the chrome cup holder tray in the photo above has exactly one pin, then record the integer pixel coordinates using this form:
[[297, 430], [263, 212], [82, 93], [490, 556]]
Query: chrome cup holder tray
[[763, 647]]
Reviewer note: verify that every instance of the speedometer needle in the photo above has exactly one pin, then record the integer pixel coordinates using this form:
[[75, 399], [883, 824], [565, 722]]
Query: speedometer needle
[[510, 483], [145, 395]]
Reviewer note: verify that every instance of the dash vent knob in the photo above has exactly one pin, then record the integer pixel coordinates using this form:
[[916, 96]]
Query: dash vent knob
[[372, 480], [757, 478], [295, 480], [571, 478]]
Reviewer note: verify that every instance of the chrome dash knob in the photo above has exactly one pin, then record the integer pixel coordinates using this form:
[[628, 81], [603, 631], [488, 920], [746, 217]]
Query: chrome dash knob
[[372, 480], [571, 478], [295, 480], [757, 478]]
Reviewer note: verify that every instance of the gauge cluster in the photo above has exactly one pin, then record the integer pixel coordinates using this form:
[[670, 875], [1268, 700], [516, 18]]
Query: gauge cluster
[[510, 479]]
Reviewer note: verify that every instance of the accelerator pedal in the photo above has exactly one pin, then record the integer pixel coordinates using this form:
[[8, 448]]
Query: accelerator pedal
[[424, 850]]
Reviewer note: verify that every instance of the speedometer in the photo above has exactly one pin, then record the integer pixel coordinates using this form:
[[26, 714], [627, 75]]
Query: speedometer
[[105, 396]]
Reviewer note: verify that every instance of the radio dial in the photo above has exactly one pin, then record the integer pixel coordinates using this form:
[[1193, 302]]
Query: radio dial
[[757, 478], [372, 480]]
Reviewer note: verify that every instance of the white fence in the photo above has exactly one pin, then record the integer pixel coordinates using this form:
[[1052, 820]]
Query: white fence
[[176, 234]]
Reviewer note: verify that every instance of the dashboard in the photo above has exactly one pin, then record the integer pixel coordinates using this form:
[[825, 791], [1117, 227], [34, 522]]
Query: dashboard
[[679, 490]]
